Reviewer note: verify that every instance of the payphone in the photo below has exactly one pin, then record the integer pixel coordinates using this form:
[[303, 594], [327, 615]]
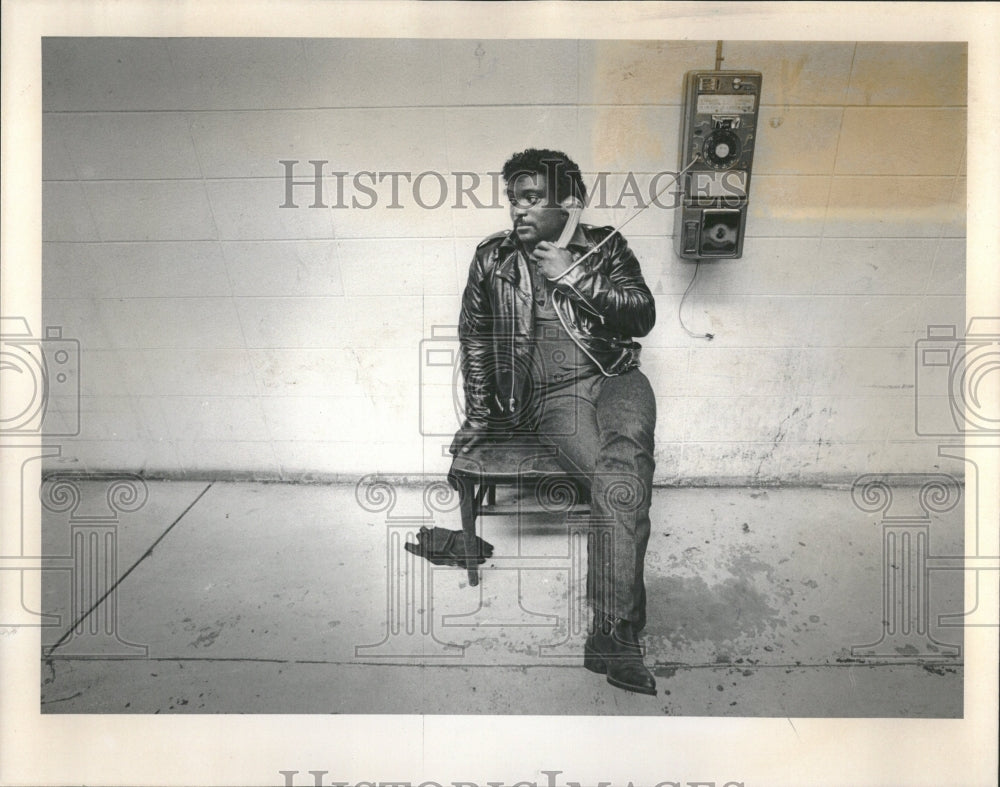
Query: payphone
[[718, 132]]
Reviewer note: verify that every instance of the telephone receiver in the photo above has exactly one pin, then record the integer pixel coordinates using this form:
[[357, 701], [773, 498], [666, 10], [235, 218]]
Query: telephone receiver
[[573, 208]]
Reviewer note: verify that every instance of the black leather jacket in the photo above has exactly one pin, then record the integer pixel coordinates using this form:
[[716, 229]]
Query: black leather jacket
[[602, 301]]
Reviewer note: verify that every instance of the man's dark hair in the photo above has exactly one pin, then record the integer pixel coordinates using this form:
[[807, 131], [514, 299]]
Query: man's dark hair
[[558, 168]]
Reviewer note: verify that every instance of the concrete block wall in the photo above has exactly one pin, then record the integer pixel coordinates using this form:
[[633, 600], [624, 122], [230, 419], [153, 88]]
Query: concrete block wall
[[223, 335]]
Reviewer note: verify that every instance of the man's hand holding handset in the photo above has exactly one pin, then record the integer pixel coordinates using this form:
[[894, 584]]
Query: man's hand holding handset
[[551, 260]]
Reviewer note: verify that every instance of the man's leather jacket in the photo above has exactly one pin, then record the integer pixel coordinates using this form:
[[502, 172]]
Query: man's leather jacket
[[601, 300]]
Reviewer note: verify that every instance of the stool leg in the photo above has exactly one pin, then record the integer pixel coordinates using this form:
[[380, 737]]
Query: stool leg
[[491, 494], [468, 506]]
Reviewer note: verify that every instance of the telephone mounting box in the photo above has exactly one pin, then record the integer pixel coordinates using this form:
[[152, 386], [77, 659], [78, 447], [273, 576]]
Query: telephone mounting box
[[718, 133]]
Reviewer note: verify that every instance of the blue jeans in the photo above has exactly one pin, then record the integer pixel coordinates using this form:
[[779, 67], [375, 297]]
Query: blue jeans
[[603, 429]]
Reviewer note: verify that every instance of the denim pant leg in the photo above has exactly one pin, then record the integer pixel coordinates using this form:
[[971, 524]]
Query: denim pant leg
[[622, 490], [603, 428]]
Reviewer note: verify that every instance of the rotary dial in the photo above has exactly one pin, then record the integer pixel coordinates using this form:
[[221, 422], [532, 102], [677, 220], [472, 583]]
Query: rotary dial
[[722, 149]]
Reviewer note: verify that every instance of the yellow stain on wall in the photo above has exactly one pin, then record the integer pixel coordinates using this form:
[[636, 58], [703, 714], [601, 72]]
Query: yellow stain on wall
[[623, 139]]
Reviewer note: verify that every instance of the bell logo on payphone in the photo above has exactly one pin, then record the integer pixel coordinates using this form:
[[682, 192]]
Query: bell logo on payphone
[[718, 129]]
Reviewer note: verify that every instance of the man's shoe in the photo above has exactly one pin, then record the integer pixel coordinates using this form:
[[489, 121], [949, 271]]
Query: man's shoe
[[613, 650]]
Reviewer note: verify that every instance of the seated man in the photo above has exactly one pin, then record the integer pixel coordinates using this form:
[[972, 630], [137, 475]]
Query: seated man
[[546, 343]]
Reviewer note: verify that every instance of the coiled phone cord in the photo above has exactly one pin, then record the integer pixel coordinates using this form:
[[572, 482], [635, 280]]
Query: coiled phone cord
[[617, 229], [639, 210]]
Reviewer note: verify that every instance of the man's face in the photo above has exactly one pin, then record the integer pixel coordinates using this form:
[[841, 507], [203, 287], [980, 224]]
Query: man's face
[[535, 215]]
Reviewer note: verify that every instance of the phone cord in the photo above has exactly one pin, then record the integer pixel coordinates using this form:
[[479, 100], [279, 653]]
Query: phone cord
[[618, 229], [680, 306]]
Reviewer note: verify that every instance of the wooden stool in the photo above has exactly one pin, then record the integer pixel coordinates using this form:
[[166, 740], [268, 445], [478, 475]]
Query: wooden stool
[[520, 461]]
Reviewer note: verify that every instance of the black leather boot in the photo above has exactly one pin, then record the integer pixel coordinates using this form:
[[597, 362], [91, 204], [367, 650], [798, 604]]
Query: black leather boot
[[613, 649]]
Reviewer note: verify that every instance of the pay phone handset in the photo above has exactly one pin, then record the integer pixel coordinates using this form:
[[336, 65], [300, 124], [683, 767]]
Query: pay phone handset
[[718, 130], [573, 208]]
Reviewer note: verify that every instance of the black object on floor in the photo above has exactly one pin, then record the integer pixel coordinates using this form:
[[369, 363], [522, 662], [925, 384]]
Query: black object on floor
[[445, 547]]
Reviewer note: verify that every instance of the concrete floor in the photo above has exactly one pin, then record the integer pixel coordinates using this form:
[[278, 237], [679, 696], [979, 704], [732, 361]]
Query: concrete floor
[[285, 598]]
